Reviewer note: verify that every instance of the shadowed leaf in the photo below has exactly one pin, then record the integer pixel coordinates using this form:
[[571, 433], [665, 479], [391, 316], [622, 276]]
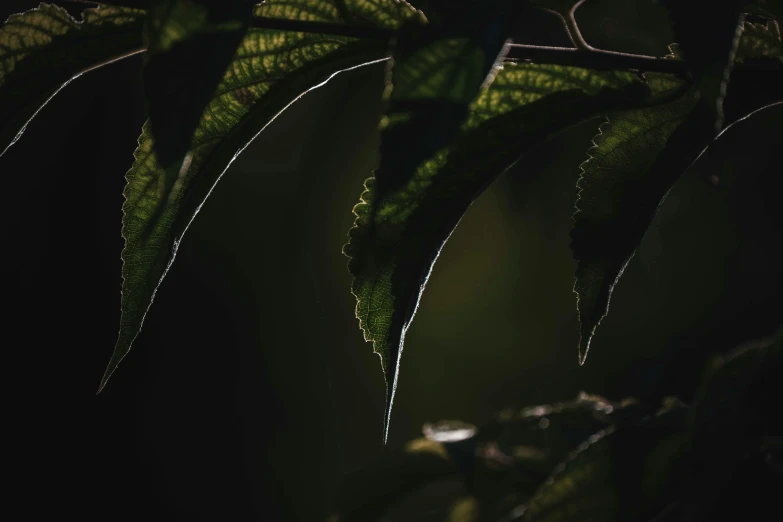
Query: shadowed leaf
[[621, 186], [636, 158], [190, 43], [518, 452], [270, 70], [42, 50], [616, 475], [397, 236], [768, 8], [434, 75]]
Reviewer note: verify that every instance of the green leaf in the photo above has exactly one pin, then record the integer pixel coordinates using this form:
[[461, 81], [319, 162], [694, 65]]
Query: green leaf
[[42, 50], [636, 158], [616, 475], [760, 41], [632, 163], [190, 44], [397, 237], [436, 73], [270, 70]]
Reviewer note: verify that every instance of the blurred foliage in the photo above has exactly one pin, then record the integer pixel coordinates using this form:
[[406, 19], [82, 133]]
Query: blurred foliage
[[589, 459]]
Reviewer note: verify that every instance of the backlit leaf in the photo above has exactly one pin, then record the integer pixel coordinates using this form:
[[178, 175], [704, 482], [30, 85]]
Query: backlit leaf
[[636, 158], [270, 70], [190, 44], [435, 74], [622, 183], [397, 237], [42, 50], [760, 41]]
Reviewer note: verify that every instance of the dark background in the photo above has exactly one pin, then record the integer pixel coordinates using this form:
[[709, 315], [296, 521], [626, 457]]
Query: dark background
[[250, 392]]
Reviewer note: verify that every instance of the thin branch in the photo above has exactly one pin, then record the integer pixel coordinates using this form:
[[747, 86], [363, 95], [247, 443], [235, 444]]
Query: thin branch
[[594, 59], [589, 59], [563, 21], [573, 28]]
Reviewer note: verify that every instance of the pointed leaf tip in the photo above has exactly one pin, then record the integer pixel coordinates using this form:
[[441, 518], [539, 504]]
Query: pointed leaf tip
[[43, 49], [397, 237], [251, 94]]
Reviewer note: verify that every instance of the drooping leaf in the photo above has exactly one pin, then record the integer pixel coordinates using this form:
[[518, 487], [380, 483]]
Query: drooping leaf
[[628, 172], [616, 475], [190, 44], [636, 158], [270, 70], [708, 33], [397, 237], [42, 50]]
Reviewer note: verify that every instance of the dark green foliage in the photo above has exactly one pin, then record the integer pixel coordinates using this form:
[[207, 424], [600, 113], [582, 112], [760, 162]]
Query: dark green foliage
[[459, 111], [594, 460], [42, 50], [190, 44], [398, 235], [635, 159], [267, 74]]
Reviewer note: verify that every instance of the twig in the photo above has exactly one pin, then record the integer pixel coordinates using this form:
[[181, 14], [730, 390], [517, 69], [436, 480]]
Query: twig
[[594, 59], [591, 58]]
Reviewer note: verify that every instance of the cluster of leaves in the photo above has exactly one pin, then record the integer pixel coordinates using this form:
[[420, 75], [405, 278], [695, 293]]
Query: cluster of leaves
[[594, 460], [464, 103]]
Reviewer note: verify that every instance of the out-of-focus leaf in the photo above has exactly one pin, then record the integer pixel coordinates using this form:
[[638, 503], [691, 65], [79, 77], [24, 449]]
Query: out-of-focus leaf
[[397, 237], [518, 452], [42, 50], [769, 8], [459, 473], [592, 459], [617, 475], [708, 33], [735, 397], [736, 409], [370, 493], [270, 70], [190, 44]]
